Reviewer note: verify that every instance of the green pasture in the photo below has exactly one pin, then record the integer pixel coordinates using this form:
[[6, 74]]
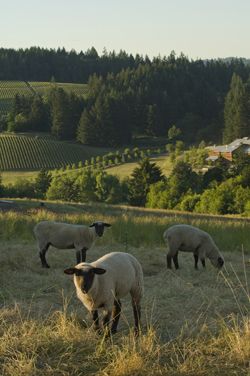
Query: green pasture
[[11, 177], [125, 170]]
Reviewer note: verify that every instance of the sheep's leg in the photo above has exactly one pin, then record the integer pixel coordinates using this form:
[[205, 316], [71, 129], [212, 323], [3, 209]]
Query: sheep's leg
[[83, 254], [137, 317], [78, 257], [95, 318], [42, 254], [196, 258], [175, 259], [169, 261], [106, 321], [203, 263], [116, 316]]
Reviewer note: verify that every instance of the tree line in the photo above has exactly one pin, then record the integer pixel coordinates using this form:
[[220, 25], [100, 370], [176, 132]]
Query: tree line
[[206, 100], [151, 98], [223, 189], [41, 64]]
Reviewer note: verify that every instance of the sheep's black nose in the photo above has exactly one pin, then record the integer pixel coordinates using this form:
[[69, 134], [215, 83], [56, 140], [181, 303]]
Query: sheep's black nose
[[100, 230]]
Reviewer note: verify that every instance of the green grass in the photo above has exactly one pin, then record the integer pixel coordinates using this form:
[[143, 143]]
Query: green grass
[[126, 169], [42, 87], [193, 322], [11, 177], [33, 152], [8, 90]]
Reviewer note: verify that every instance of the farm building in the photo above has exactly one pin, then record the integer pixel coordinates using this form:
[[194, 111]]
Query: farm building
[[228, 151]]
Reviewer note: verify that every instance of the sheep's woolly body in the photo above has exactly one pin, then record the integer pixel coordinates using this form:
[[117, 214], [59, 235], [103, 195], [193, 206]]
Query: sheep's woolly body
[[123, 275], [188, 238], [64, 235]]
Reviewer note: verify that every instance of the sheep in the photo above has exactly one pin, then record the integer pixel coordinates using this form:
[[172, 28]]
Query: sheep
[[67, 236], [101, 285], [191, 239]]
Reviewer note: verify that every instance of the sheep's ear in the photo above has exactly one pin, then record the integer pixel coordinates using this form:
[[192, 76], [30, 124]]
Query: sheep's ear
[[93, 225], [70, 271], [99, 270], [106, 224]]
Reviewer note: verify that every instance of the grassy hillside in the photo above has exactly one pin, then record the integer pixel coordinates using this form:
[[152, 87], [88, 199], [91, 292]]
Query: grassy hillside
[[33, 152], [125, 170], [8, 90], [193, 322]]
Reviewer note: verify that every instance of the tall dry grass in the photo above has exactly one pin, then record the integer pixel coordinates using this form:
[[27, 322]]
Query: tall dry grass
[[60, 346], [134, 227], [194, 322]]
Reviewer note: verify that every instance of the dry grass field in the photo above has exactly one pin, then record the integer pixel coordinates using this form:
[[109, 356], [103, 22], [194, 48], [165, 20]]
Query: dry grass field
[[193, 322]]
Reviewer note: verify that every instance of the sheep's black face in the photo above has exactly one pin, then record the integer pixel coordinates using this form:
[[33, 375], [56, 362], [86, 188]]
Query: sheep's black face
[[99, 227], [85, 276]]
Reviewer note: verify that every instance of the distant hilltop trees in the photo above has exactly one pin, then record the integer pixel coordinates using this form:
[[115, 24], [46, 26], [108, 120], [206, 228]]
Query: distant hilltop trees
[[41, 64], [129, 95]]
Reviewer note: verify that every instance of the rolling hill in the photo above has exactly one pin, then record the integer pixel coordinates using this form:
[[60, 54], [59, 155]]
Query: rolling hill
[[8, 90], [33, 152]]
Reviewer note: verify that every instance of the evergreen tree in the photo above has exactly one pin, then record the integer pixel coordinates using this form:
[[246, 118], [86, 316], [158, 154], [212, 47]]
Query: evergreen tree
[[236, 111], [153, 126], [93, 124], [38, 116], [105, 123], [173, 133], [42, 183], [75, 104], [59, 113], [182, 179], [142, 177]]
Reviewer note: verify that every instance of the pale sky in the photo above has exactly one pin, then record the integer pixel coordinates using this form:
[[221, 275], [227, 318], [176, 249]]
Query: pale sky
[[198, 28]]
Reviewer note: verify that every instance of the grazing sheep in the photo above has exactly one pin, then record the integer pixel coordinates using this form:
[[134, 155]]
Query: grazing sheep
[[191, 239], [67, 236], [101, 285]]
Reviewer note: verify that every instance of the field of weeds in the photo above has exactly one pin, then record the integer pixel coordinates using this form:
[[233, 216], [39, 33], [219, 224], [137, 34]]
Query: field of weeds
[[193, 322]]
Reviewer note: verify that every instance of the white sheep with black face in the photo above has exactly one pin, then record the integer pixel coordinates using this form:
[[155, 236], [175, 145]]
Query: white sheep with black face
[[102, 283], [67, 236], [188, 238]]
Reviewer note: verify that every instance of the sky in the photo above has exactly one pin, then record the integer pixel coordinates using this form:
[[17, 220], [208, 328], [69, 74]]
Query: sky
[[197, 28]]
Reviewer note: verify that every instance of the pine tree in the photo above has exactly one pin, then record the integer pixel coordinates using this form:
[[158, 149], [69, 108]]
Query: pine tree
[[142, 177], [38, 116], [60, 113], [236, 111], [76, 105], [153, 126], [42, 182]]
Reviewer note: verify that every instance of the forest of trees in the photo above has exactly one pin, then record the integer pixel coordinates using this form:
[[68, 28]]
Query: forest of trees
[[41, 64], [207, 100]]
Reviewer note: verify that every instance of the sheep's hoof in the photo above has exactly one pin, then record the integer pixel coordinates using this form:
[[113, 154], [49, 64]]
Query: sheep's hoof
[[45, 266]]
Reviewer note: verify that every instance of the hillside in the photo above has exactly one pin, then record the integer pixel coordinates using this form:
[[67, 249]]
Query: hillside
[[8, 90], [33, 152], [125, 170]]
